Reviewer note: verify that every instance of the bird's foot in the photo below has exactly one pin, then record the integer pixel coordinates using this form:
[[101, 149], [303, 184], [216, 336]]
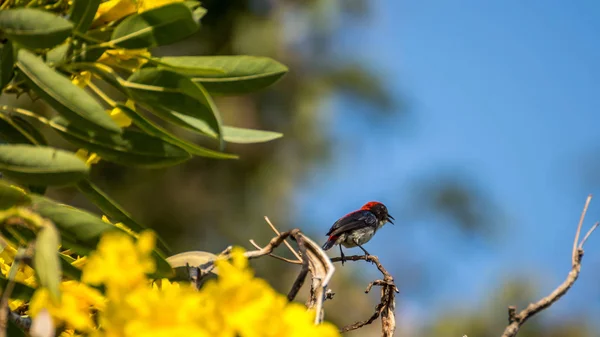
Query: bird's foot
[[343, 258]]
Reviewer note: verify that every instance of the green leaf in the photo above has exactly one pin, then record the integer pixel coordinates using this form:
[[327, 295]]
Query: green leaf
[[131, 148], [199, 13], [111, 208], [192, 4], [7, 63], [241, 74], [177, 99], [82, 14], [232, 134], [156, 27], [57, 55], [81, 231], [16, 130], [31, 130], [11, 196], [155, 130], [186, 69], [88, 49], [46, 261], [41, 165], [69, 100], [34, 28]]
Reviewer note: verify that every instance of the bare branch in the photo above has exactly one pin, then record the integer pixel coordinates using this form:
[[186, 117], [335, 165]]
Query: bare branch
[[268, 249], [387, 304], [587, 235], [303, 272], [322, 270], [360, 324], [581, 218], [517, 320], [287, 244], [277, 256]]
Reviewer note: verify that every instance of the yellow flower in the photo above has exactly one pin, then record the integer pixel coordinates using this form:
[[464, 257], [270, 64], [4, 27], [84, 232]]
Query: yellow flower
[[25, 274], [120, 263], [69, 333], [235, 304], [81, 79], [298, 322], [120, 117], [79, 262], [128, 59], [239, 304], [74, 309], [113, 10], [89, 158], [148, 312], [144, 5]]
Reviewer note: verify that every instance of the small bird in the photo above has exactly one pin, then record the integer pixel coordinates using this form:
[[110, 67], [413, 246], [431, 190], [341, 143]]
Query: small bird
[[357, 228]]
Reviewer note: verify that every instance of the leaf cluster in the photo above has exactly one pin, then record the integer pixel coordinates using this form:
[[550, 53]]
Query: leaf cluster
[[44, 49]]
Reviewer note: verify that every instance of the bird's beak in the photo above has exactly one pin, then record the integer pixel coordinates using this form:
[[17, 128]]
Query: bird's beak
[[390, 218]]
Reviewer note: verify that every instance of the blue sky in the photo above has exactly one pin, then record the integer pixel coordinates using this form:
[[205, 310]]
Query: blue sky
[[505, 91]]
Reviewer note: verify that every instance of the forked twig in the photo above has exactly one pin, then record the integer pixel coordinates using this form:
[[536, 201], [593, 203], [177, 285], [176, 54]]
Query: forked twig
[[276, 256], [303, 272], [387, 304], [517, 320], [287, 244]]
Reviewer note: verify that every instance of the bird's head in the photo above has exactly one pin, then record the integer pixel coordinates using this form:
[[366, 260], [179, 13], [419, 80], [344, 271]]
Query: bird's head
[[380, 211]]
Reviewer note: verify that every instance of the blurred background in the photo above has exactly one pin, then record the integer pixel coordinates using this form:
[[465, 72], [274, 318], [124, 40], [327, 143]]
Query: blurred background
[[475, 123]]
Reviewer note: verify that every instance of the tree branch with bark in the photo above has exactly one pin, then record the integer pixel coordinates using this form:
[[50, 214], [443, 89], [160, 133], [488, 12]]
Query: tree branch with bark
[[516, 320]]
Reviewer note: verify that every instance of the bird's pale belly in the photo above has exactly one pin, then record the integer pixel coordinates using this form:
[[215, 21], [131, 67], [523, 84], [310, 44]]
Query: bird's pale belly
[[361, 236]]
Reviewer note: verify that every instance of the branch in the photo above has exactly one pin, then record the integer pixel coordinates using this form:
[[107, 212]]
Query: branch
[[387, 304], [322, 270], [277, 256], [303, 272], [517, 320], [285, 242]]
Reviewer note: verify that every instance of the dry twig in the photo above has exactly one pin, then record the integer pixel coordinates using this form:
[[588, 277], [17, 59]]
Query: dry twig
[[517, 320], [321, 268], [386, 306], [303, 272], [287, 244]]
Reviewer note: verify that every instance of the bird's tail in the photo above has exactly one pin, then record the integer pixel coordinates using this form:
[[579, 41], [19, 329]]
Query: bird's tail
[[330, 242]]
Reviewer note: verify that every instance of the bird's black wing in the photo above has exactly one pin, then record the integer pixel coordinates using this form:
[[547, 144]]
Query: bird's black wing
[[353, 221]]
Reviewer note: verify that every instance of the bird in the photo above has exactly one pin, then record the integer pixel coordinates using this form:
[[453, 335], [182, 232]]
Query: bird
[[358, 227]]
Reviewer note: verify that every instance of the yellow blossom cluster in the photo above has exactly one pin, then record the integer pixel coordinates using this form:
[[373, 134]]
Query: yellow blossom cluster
[[25, 274], [234, 304]]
